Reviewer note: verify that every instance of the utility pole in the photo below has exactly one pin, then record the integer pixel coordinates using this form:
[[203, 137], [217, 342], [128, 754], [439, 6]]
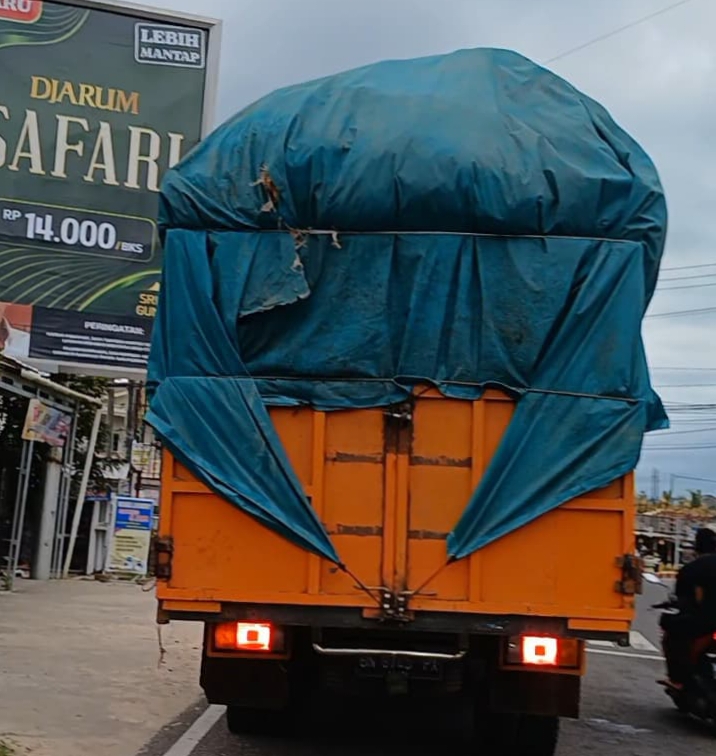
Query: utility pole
[[655, 485], [677, 544], [110, 423], [130, 429], [79, 505]]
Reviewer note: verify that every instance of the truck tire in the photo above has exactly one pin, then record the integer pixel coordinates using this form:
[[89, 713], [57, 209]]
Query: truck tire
[[242, 720], [517, 735]]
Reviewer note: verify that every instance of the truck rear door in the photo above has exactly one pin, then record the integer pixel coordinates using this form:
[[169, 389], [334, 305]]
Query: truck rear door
[[389, 485]]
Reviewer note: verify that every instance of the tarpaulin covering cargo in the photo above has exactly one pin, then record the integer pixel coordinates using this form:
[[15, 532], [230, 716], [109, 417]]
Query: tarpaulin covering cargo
[[461, 221]]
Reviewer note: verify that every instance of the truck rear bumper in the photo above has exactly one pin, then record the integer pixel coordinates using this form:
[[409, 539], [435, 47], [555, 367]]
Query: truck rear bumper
[[352, 618], [357, 671]]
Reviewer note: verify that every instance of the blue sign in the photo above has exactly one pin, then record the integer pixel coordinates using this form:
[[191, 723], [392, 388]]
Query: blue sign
[[129, 552], [99, 496]]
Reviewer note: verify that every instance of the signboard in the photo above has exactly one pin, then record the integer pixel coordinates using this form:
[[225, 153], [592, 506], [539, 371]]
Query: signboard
[[96, 103], [46, 424], [95, 496], [131, 536], [146, 459]]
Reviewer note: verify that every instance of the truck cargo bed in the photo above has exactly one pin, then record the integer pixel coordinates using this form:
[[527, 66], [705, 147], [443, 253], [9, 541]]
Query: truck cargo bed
[[389, 489]]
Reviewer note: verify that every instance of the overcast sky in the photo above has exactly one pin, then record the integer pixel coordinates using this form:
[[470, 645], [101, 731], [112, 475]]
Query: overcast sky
[[657, 79]]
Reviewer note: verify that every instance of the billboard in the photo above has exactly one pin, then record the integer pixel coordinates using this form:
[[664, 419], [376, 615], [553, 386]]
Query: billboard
[[97, 102]]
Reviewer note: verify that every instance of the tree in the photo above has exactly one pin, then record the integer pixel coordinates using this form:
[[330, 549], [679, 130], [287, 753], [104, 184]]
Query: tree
[[667, 498], [697, 499], [13, 411]]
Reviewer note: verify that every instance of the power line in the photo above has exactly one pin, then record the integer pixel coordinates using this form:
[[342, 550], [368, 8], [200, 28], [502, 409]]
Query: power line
[[687, 278], [619, 30], [684, 367], [677, 313], [678, 447], [689, 420], [688, 267], [681, 288], [690, 411], [691, 477], [673, 478], [661, 434], [703, 423], [684, 385], [688, 407]]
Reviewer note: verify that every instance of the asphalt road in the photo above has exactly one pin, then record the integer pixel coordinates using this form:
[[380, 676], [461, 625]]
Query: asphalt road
[[624, 712]]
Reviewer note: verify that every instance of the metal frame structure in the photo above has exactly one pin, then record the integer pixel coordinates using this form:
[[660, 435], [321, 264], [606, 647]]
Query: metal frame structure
[[17, 380]]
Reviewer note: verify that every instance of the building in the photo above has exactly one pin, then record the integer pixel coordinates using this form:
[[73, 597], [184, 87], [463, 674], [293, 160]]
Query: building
[[38, 420], [668, 534]]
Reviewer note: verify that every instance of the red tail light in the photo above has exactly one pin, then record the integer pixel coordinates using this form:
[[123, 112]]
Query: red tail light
[[258, 637], [253, 637], [543, 652], [540, 651]]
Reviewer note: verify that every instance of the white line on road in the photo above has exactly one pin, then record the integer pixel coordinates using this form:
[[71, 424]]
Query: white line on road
[[636, 641], [640, 643], [197, 732], [625, 654]]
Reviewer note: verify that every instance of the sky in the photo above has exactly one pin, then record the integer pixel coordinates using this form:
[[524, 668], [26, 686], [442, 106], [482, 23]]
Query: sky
[[657, 80]]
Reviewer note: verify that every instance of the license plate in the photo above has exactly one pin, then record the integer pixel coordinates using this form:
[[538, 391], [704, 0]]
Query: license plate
[[417, 669]]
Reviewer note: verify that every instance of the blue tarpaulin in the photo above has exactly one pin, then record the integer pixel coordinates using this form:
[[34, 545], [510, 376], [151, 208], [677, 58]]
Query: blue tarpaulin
[[463, 221]]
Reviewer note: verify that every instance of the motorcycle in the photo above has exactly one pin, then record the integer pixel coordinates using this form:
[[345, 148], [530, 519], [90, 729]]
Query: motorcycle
[[697, 697]]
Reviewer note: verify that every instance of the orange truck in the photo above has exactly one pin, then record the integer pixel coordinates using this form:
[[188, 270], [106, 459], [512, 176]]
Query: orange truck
[[399, 444], [522, 606]]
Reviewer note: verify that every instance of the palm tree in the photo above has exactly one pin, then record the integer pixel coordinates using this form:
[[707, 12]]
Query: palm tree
[[697, 499]]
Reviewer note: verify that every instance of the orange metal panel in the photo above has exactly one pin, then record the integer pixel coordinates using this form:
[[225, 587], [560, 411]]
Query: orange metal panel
[[388, 504], [604, 626], [389, 517], [213, 607], [478, 469], [219, 547], [316, 463], [296, 428], [399, 582], [441, 482]]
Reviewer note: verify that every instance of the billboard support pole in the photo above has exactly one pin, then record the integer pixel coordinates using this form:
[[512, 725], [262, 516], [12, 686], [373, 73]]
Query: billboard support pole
[[18, 520], [79, 505]]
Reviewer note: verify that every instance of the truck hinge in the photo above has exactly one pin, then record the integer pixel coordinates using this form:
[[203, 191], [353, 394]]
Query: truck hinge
[[394, 606], [163, 555], [398, 421], [631, 581]]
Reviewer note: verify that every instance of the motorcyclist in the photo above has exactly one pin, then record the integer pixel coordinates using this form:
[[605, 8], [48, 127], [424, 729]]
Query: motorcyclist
[[696, 601]]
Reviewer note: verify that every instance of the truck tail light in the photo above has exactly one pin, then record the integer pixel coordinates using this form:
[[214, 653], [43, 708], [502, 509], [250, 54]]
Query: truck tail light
[[253, 637], [248, 637], [542, 652]]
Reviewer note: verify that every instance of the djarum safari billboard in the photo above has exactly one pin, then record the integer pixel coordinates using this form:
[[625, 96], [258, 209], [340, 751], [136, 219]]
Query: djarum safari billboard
[[97, 101]]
